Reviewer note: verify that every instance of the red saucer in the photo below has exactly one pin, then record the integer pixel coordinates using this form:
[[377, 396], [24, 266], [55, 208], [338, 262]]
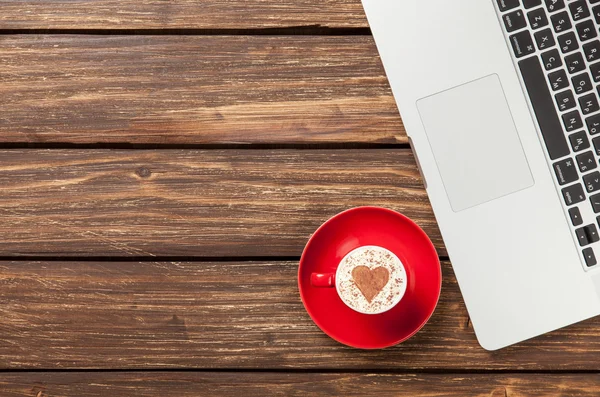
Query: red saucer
[[384, 228]]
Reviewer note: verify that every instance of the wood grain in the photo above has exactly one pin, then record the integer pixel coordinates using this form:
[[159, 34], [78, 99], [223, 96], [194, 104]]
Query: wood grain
[[194, 90], [179, 14], [177, 384], [230, 315], [233, 203]]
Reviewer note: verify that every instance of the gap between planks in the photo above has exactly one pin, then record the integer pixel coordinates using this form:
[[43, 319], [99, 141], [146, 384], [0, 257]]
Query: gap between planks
[[203, 146], [259, 384], [310, 30]]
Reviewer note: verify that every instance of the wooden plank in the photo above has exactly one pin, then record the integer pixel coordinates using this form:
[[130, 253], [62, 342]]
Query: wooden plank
[[228, 315], [194, 203], [179, 14], [194, 90], [178, 384]]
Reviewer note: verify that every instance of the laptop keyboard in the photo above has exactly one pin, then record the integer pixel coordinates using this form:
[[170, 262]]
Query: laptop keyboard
[[556, 44]]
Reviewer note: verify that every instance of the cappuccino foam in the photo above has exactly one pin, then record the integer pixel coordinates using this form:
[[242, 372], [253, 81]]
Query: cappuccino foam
[[371, 280]]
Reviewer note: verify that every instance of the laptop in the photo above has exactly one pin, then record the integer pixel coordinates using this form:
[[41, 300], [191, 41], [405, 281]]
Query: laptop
[[500, 100]]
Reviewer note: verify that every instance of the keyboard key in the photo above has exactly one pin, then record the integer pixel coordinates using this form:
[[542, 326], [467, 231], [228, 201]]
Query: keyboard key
[[595, 70], [558, 80], [592, 51], [575, 216], [592, 182], [575, 63], [572, 121], [565, 171], [596, 13], [545, 111], [582, 83], [506, 5], [579, 141], [590, 258], [544, 39], [537, 18], [552, 59], [522, 44], [579, 10], [554, 5], [532, 3], [592, 233], [586, 30], [565, 100], [567, 42], [574, 194], [514, 21], [582, 237], [595, 200], [593, 124], [589, 104], [596, 142], [587, 162], [561, 22]]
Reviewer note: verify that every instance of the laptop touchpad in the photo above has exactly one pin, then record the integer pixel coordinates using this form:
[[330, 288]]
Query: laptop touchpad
[[475, 143]]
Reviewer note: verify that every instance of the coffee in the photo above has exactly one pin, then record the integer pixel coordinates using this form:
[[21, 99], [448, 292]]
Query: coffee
[[371, 280]]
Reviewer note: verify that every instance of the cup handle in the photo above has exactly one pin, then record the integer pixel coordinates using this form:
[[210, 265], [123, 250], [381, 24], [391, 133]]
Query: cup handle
[[322, 280]]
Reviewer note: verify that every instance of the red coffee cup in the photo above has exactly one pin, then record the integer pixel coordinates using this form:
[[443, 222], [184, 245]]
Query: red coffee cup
[[381, 295], [369, 227], [322, 280]]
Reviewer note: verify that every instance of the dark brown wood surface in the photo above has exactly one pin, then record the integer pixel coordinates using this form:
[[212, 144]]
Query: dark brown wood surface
[[179, 14], [195, 90], [177, 384], [230, 315], [163, 163], [205, 203]]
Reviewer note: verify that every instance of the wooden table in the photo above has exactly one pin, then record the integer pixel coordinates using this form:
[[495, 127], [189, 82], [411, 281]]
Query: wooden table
[[162, 165]]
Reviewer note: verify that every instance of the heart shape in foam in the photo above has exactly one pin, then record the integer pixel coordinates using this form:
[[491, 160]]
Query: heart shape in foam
[[370, 282]]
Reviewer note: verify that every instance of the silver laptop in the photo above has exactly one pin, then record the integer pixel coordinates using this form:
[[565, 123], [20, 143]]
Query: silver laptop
[[500, 100]]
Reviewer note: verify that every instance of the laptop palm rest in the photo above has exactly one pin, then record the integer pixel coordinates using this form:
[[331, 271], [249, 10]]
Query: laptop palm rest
[[475, 143]]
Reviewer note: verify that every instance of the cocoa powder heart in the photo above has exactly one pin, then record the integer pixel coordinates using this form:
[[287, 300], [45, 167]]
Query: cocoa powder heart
[[370, 281]]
